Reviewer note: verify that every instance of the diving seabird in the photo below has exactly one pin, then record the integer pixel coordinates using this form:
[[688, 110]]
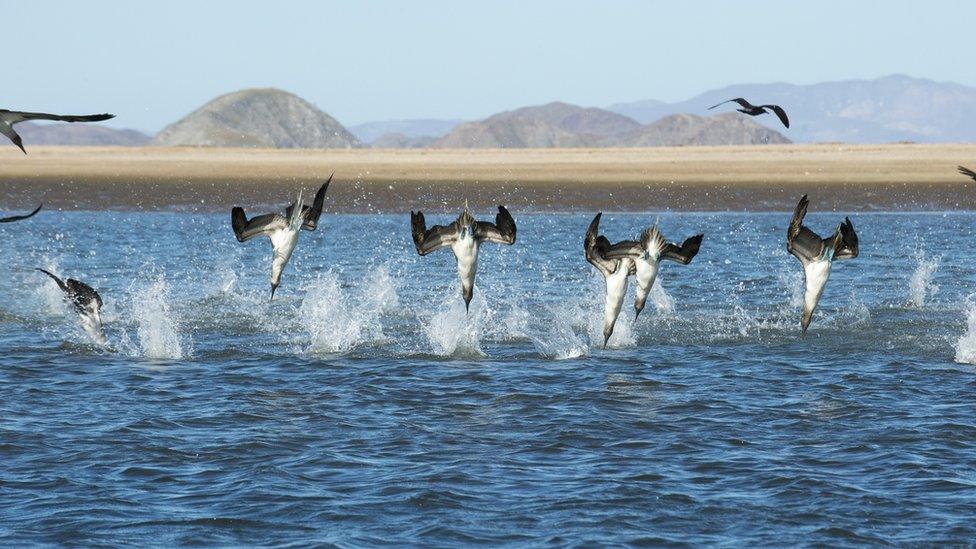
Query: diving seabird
[[647, 254], [464, 236], [87, 303], [19, 217], [282, 230], [816, 255], [9, 118], [614, 271], [756, 110], [967, 172]]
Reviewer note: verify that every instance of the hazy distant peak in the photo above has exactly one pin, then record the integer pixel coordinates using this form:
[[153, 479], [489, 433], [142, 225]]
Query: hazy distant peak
[[896, 107]]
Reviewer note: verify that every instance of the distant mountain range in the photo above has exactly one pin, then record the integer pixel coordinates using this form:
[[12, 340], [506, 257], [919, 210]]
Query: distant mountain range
[[893, 108], [557, 125], [888, 109], [421, 127], [79, 135]]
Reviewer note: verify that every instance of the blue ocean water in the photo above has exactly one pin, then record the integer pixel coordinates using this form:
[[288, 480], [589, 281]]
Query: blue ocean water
[[363, 406]]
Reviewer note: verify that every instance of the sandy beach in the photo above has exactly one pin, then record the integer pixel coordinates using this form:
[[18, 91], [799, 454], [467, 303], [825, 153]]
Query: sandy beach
[[839, 176]]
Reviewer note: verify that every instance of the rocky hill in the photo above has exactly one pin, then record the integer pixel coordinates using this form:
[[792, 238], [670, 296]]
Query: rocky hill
[[563, 125], [258, 118], [691, 130], [79, 135], [550, 125]]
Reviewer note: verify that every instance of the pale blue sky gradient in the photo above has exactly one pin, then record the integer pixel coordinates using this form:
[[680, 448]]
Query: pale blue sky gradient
[[151, 63]]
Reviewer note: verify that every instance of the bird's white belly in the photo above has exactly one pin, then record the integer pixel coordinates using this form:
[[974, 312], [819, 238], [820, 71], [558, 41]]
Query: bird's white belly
[[616, 290], [283, 242], [816, 274], [466, 252], [91, 322], [646, 275]]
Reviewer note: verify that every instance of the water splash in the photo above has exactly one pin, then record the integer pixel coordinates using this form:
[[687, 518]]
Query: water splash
[[382, 293], [337, 321], [920, 285], [452, 331], [855, 314], [661, 299], [966, 346], [158, 328], [558, 335], [48, 291], [793, 283], [514, 324]]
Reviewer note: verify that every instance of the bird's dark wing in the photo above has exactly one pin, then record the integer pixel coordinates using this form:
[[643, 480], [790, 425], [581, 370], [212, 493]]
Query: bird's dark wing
[[685, 253], [780, 113], [17, 116], [502, 231], [82, 294], [596, 246], [625, 248], [845, 243], [12, 135], [245, 229], [56, 279], [967, 172], [311, 214], [742, 102], [427, 240], [803, 243], [20, 217]]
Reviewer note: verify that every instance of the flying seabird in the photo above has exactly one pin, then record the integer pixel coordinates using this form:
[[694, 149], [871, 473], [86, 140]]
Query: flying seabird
[[614, 271], [755, 110], [9, 118], [647, 252], [87, 303], [967, 172], [282, 230], [464, 236], [816, 255], [19, 217]]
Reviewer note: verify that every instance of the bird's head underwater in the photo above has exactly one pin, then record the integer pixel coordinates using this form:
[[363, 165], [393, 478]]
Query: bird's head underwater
[[805, 322]]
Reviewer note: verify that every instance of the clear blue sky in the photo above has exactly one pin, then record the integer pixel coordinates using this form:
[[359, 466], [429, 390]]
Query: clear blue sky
[[152, 62]]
